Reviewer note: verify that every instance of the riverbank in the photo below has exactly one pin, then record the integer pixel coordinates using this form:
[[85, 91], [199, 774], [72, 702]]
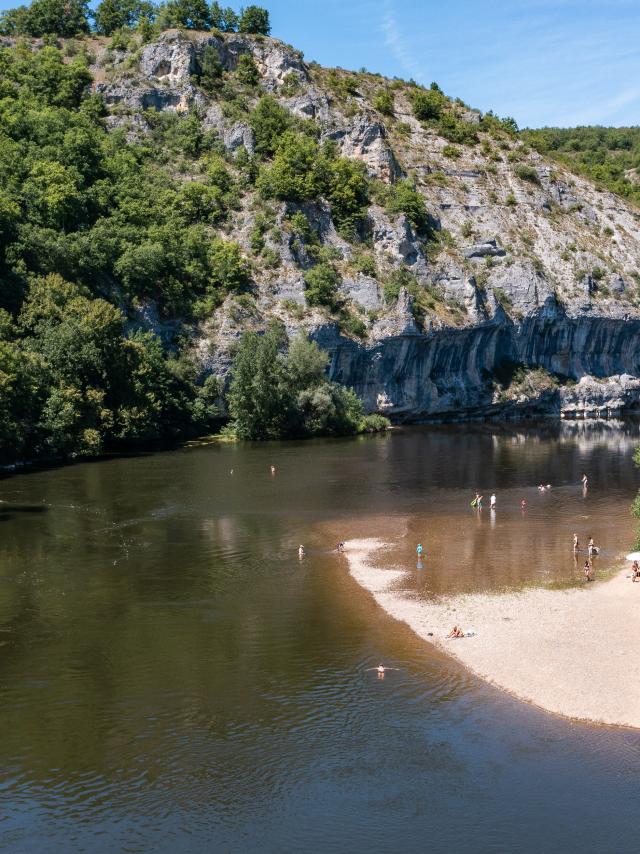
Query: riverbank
[[571, 652]]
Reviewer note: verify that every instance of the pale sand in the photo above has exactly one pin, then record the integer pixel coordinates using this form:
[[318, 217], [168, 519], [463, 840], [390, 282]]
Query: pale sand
[[573, 652]]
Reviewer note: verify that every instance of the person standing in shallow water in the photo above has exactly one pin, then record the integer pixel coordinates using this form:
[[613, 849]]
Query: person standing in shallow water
[[492, 502], [576, 544]]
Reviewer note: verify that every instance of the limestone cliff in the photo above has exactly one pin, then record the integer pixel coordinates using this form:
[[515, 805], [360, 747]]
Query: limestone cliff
[[528, 266]]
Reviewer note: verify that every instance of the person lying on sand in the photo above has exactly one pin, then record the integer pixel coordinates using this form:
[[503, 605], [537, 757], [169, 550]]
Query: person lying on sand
[[456, 632]]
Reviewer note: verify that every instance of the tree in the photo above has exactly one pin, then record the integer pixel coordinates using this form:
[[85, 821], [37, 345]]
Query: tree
[[269, 120], [254, 19], [64, 18], [111, 15], [223, 18], [247, 70], [383, 102], [259, 396], [294, 173], [192, 14]]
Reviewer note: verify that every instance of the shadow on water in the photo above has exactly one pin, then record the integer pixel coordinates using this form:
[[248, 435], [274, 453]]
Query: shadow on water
[[8, 510]]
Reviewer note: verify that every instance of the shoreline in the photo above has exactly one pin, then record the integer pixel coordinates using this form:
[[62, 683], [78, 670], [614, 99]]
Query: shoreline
[[569, 652]]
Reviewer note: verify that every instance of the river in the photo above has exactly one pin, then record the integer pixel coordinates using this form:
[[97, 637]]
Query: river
[[174, 679]]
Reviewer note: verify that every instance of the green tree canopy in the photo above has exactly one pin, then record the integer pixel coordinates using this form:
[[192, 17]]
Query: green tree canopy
[[254, 19]]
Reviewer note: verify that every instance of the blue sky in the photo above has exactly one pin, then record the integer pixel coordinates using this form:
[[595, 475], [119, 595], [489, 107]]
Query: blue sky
[[565, 62]]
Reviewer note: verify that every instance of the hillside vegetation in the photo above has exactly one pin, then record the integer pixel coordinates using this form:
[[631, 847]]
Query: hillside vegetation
[[609, 156], [174, 182]]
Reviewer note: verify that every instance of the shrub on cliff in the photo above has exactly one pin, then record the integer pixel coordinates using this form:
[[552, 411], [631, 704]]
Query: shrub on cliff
[[321, 286], [427, 104]]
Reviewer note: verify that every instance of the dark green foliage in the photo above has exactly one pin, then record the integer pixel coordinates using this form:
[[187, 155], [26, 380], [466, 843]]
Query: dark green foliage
[[223, 18], [247, 70], [383, 102], [73, 383], [274, 396], [269, 121], [302, 170], [404, 198], [192, 14], [321, 286], [210, 69], [527, 173], [62, 18], [112, 15], [428, 104], [254, 19], [610, 156]]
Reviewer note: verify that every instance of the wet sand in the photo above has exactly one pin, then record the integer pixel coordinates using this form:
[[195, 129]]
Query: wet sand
[[572, 652]]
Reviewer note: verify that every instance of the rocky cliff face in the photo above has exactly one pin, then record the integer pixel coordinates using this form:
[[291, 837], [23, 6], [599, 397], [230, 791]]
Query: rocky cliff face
[[532, 267]]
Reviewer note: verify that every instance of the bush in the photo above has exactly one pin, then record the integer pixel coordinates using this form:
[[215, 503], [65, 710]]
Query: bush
[[247, 70], [383, 102], [210, 69], [321, 286], [404, 198], [527, 173], [427, 104], [268, 121]]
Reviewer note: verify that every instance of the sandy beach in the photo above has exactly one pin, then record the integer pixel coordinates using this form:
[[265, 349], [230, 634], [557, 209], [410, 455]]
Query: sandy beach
[[571, 652]]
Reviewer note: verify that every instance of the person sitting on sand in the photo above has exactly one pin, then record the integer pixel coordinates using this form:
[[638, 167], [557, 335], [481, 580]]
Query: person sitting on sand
[[587, 571], [456, 632]]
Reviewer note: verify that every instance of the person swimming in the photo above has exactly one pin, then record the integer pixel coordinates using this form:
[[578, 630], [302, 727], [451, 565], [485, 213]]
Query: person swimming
[[381, 670], [273, 470], [419, 550]]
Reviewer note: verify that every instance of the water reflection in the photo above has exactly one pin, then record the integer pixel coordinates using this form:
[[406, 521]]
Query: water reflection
[[173, 678]]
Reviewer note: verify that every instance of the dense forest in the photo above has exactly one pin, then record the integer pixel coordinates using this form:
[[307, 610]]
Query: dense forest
[[608, 156], [91, 225]]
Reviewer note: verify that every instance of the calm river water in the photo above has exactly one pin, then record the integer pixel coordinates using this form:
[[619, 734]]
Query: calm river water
[[173, 679]]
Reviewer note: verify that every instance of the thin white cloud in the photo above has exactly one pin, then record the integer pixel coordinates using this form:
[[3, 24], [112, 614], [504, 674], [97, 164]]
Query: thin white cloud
[[601, 111], [396, 43]]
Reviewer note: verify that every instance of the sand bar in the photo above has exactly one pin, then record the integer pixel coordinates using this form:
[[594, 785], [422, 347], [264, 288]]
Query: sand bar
[[573, 652]]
